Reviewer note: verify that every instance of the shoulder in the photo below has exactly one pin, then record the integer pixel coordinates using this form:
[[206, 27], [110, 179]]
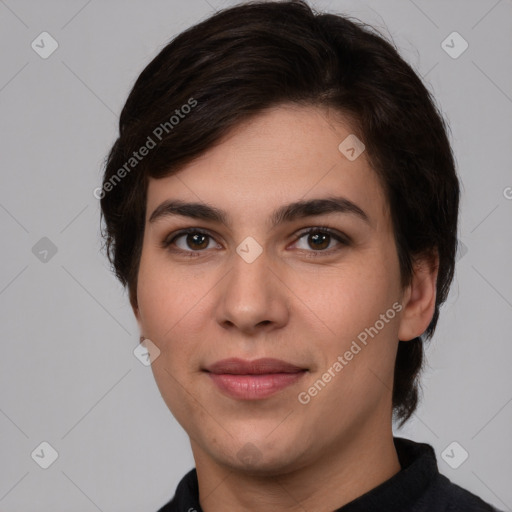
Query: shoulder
[[434, 491], [454, 498], [186, 497]]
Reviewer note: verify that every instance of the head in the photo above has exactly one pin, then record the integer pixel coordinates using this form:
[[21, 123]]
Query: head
[[254, 109]]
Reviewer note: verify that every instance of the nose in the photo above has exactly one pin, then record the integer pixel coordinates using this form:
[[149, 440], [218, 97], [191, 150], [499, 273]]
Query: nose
[[253, 297]]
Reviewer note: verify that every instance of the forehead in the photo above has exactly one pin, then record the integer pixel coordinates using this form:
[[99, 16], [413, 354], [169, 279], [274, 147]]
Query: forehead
[[285, 154]]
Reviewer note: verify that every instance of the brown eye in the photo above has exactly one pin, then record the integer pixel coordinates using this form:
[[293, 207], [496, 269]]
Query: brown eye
[[319, 240], [194, 240]]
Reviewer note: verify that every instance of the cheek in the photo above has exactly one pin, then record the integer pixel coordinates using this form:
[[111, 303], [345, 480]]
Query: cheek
[[166, 294], [354, 305], [171, 313], [173, 304], [178, 394], [348, 299]]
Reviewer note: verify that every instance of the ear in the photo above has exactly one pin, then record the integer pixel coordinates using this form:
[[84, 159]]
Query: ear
[[419, 298], [135, 307]]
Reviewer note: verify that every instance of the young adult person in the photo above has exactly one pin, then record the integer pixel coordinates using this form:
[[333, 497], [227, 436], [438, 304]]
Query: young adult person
[[282, 204]]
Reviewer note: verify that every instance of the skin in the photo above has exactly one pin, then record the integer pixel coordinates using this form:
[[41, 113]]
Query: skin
[[303, 310]]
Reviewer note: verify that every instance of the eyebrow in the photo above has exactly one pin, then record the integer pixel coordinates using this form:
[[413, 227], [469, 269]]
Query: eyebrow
[[286, 213]]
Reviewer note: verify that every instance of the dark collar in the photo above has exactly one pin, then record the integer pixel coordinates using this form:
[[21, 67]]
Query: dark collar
[[399, 493], [402, 491]]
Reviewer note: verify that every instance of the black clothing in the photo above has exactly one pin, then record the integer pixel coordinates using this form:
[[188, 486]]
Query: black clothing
[[418, 487]]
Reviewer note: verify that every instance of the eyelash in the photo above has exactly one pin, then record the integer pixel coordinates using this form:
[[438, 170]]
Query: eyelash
[[342, 239]]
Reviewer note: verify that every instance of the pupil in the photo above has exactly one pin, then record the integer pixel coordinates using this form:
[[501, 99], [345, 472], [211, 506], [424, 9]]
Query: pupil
[[316, 237], [195, 238]]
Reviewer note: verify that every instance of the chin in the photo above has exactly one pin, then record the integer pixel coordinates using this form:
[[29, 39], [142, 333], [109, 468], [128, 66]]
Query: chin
[[252, 458]]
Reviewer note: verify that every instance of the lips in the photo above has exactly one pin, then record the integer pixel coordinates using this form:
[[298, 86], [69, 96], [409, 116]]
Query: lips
[[264, 366], [253, 380]]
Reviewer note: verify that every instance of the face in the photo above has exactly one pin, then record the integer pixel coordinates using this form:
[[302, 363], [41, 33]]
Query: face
[[254, 285]]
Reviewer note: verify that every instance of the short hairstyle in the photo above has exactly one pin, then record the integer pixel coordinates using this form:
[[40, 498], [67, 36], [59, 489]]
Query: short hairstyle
[[257, 55]]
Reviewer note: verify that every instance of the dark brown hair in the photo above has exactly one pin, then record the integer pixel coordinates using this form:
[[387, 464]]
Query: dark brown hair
[[256, 55]]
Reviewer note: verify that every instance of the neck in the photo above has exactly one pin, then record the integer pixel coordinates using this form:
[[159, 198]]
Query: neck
[[339, 475]]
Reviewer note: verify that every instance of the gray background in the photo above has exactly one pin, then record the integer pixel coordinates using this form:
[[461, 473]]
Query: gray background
[[68, 375]]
